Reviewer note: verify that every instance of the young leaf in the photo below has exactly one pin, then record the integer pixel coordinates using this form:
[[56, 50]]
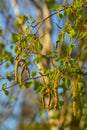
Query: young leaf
[[4, 86], [6, 92], [28, 84], [9, 77], [4, 89], [39, 46], [70, 48], [34, 74], [61, 36]]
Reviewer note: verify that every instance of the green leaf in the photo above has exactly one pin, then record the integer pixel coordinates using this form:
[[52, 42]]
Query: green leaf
[[59, 6], [34, 74], [15, 48], [70, 48], [67, 12], [57, 59], [84, 47], [16, 37], [28, 84], [9, 77], [4, 86], [80, 85], [61, 103], [82, 35], [6, 92], [12, 98], [0, 31], [39, 89], [39, 46], [61, 36], [42, 110], [7, 65], [67, 82], [60, 15], [23, 54], [37, 60], [1, 46], [72, 33]]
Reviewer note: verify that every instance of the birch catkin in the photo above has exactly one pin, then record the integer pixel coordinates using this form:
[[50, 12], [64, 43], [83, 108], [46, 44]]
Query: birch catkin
[[56, 98], [48, 94], [16, 69], [21, 73], [76, 97]]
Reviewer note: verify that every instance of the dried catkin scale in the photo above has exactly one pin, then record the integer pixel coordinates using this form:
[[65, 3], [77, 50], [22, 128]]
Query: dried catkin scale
[[75, 97]]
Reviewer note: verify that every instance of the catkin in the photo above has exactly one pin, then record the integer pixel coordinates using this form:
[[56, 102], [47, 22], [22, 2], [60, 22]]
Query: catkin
[[16, 69], [21, 73], [17, 62], [24, 66], [49, 98], [56, 98], [28, 72], [76, 97], [19, 51], [47, 93]]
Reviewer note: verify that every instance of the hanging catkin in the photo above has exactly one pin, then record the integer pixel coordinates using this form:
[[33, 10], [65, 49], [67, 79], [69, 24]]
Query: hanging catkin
[[48, 94], [76, 96], [56, 98], [24, 67], [16, 69], [17, 59], [21, 73]]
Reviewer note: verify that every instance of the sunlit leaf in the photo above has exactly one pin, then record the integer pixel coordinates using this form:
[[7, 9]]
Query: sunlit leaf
[[28, 84]]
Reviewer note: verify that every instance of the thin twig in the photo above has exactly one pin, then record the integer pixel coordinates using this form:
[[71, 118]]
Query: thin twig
[[25, 80]]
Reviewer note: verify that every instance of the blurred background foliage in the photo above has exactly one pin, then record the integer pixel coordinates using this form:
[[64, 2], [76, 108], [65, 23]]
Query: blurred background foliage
[[62, 35]]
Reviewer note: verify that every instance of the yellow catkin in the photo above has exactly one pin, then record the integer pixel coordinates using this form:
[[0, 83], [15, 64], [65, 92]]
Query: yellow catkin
[[19, 51], [49, 101], [24, 67], [49, 98], [17, 62], [75, 96], [56, 84], [16, 71], [16, 68], [48, 94]]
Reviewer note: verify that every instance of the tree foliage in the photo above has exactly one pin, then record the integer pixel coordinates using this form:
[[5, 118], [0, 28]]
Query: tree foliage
[[67, 73]]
